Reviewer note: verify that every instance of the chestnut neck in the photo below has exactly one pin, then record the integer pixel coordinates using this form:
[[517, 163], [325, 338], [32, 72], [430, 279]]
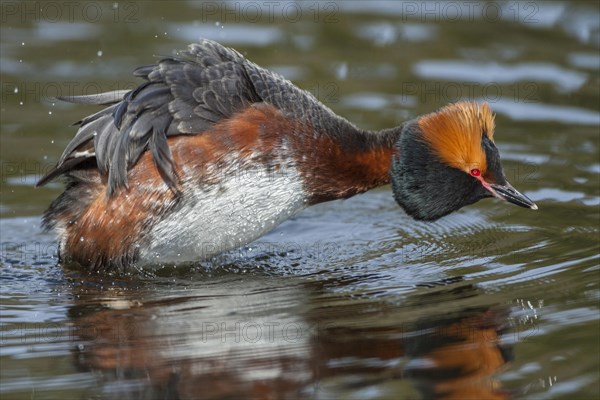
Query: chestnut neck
[[344, 165]]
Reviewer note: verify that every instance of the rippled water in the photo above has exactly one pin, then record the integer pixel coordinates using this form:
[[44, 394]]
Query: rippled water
[[350, 299]]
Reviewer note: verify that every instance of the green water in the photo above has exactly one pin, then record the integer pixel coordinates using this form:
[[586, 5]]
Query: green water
[[349, 299]]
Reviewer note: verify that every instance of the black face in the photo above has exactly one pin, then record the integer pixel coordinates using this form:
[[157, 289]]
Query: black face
[[426, 188], [494, 166]]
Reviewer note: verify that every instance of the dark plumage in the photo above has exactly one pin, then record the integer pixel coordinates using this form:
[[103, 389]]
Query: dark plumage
[[183, 95]]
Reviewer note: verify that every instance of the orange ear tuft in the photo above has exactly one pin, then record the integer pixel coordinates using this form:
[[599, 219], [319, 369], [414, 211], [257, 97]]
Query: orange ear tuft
[[455, 132]]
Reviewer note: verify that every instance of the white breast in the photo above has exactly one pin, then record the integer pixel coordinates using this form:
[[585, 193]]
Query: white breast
[[219, 217]]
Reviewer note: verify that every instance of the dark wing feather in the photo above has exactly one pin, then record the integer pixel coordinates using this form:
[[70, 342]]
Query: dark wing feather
[[182, 95]]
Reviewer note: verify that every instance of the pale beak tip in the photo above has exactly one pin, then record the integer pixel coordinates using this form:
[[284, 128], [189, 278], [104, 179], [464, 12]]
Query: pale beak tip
[[534, 206]]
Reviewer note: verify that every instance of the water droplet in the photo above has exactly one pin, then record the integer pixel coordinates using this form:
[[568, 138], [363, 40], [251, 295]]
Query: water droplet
[[99, 53], [16, 90], [49, 112], [342, 71], [81, 239]]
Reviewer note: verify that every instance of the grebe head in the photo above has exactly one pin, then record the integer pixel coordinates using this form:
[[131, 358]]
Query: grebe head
[[447, 160]]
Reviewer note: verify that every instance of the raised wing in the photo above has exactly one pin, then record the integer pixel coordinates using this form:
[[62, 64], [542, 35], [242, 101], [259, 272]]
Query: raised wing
[[182, 95]]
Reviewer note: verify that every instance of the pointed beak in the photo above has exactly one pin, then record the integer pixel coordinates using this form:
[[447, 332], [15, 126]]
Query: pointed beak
[[512, 195]]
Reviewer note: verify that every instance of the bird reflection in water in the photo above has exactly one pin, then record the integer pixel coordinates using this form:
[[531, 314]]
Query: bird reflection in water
[[242, 345]]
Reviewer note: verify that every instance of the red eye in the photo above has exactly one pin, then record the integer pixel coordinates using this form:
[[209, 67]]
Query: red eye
[[475, 172]]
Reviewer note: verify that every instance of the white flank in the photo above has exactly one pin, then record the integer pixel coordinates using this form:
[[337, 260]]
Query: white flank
[[220, 217]]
